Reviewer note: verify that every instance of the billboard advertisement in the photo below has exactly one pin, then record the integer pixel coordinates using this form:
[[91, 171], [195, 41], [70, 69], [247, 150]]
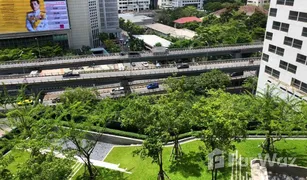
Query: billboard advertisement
[[33, 15]]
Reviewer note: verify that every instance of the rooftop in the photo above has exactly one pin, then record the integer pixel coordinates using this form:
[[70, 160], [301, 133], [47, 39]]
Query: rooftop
[[168, 30], [248, 10], [136, 18], [187, 19], [152, 40]]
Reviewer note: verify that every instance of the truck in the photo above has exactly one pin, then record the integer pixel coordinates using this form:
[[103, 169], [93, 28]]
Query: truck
[[159, 50]]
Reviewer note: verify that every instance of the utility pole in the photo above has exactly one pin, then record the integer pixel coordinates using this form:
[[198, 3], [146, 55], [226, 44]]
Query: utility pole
[[39, 53]]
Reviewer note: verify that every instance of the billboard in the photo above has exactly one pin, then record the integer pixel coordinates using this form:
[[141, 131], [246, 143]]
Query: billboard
[[33, 15]]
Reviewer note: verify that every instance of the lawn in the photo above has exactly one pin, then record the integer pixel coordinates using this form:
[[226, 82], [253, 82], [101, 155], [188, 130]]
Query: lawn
[[106, 174], [192, 165], [19, 158]]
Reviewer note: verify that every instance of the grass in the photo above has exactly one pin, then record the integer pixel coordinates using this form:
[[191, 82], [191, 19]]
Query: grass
[[105, 174], [192, 165], [19, 158]]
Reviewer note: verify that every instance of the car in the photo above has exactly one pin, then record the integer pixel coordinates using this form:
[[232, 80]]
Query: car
[[25, 102], [133, 64], [56, 100], [145, 64], [71, 74], [116, 91], [122, 53], [134, 54], [153, 85], [183, 65], [158, 65], [234, 74]]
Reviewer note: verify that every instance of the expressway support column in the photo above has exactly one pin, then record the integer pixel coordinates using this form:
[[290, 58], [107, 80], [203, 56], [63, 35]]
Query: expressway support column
[[238, 55]]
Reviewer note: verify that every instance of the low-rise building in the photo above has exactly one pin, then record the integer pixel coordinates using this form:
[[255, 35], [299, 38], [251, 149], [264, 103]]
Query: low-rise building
[[151, 40], [257, 2], [133, 5], [182, 3], [136, 18], [184, 20], [165, 30]]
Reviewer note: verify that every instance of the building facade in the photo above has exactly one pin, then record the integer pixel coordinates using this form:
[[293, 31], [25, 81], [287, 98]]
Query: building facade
[[90, 18], [257, 2], [284, 59], [164, 3], [133, 5], [181, 3]]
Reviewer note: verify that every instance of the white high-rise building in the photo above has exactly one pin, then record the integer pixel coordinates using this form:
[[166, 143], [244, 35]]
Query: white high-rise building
[[182, 3], [164, 3], [88, 18], [257, 2], [132, 5], [284, 59]]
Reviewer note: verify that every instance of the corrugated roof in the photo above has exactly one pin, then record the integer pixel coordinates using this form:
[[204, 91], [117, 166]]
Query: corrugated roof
[[168, 30]]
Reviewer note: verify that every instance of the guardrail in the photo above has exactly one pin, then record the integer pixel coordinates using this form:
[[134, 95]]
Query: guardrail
[[136, 73], [119, 57], [254, 59]]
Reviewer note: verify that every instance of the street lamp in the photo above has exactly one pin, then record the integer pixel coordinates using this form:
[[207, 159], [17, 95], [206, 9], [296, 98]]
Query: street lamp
[[39, 53], [207, 50]]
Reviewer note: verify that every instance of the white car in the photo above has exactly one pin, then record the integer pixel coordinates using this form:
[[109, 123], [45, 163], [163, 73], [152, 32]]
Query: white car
[[120, 90], [145, 64]]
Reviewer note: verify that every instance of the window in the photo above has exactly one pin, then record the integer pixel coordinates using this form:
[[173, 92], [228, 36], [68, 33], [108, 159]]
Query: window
[[269, 35], [276, 50], [288, 41], [298, 16], [265, 57], [283, 65], [280, 51], [286, 2], [293, 15], [299, 85], [304, 33], [293, 42], [272, 72], [272, 48], [276, 25], [273, 12], [280, 26], [301, 58], [284, 27]]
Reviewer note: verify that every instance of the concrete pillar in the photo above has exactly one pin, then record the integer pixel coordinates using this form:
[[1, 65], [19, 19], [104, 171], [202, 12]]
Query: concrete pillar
[[238, 55]]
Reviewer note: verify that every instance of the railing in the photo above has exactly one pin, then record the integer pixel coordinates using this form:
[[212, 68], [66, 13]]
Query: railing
[[143, 68], [116, 56], [132, 73]]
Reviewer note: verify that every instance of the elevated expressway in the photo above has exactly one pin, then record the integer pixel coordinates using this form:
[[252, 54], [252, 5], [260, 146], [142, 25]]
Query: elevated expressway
[[77, 61], [46, 83]]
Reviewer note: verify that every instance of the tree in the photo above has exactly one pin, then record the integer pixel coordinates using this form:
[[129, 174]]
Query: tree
[[222, 122], [174, 114], [158, 44], [136, 44], [276, 116], [258, 19], [258, 33], [71, 96], [111, 46], [213, 6], [251, 83], [103, 36], [153, 147]]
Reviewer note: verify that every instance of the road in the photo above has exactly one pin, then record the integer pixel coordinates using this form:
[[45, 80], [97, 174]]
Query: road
[[118, 74], [147, 56]]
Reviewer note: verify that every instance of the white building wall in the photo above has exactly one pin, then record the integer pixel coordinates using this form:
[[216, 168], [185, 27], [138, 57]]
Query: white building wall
[[182, 3], [162, 3], [79, 23], [133, 5], [257, 2], [284, 82]]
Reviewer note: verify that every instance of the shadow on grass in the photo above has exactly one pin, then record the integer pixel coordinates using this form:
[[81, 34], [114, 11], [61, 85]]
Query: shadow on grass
[[106, 174], [188, 165], [289, 153]]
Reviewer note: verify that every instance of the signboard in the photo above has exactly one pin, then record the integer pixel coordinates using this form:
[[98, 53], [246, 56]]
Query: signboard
[[33, 15]]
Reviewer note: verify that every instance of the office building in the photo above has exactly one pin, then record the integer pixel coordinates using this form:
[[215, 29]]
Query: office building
[[284, 58], [182, 3], [133, 5]]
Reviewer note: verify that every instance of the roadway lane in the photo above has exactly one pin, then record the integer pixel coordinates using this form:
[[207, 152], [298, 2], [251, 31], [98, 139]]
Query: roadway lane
[[209, 66], [173, 54]]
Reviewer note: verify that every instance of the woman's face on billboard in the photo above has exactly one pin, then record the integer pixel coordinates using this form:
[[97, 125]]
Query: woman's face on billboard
[[35, 5]]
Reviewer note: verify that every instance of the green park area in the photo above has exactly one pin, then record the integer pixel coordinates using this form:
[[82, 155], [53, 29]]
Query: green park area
[[191, 166]]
